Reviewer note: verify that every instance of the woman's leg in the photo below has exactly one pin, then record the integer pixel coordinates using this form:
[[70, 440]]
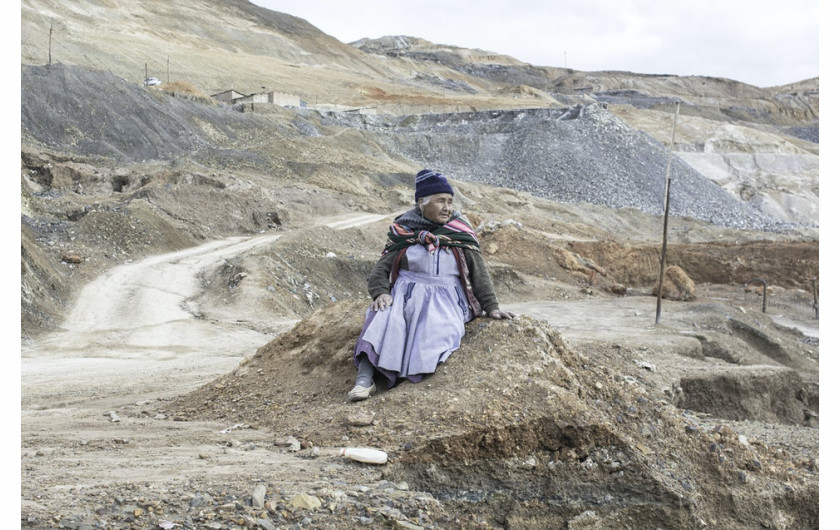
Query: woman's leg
[[364, 380], [364, 374]]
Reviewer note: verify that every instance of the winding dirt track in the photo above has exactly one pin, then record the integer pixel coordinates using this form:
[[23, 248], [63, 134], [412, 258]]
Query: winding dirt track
[[137, 330], [136, 322], [136, 336]]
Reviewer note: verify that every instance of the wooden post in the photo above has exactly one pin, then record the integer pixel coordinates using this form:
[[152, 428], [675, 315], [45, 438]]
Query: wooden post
[[665, 223]]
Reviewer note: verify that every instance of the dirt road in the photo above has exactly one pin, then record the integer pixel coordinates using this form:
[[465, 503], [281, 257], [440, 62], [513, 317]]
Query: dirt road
[[137, 330], [136, 336]]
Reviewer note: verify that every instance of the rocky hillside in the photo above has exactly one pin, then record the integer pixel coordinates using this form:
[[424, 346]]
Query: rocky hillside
[[760, 144]]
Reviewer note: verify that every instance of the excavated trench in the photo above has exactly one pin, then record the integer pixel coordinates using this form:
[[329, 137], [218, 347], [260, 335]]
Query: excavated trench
[[766, 377]]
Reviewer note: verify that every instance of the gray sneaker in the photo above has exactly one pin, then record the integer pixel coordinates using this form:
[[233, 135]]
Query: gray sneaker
[[360, 393]]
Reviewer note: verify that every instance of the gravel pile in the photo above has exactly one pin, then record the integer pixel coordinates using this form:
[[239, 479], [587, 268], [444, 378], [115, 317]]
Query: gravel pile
[[575, 155]]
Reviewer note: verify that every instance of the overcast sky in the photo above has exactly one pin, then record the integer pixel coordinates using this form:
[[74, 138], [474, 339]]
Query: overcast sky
[[760, 42]]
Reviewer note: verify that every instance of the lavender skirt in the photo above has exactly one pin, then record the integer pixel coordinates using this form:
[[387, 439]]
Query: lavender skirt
[[425, 323]]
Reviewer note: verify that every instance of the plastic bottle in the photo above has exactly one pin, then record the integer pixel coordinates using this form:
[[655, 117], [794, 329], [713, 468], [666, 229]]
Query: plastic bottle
[[365, 454]]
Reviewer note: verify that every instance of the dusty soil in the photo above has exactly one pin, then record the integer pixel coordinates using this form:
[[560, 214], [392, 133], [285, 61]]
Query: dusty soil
[[201, 311], [176, 402], [582, 412]]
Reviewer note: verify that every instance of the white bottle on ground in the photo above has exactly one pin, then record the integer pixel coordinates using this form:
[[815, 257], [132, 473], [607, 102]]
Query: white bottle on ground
[[365, 454]]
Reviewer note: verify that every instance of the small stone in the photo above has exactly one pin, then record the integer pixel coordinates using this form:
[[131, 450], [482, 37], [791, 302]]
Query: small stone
[[258, 497], [392, 513], [71, 257], [408, 525], [646, 365], [307, 502], [723, 431], [266, 524], [644, 449], [361, 418], [292, 443], [197, 501]]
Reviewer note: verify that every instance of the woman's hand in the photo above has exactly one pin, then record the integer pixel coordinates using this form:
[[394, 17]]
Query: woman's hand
[[382, 301], [498, 314]]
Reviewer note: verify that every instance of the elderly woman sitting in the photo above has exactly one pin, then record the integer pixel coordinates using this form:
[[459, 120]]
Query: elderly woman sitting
[[430, 280]]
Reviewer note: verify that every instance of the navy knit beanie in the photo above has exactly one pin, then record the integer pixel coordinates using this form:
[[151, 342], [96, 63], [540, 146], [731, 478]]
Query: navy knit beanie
[[428, 182]]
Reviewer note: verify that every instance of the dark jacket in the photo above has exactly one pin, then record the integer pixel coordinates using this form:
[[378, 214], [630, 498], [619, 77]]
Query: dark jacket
[[476, 279]]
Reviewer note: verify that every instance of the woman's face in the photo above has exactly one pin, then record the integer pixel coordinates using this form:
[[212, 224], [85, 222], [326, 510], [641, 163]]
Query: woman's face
[[438, 209]]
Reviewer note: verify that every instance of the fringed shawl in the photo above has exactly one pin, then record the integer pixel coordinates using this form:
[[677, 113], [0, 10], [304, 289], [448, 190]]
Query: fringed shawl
[[411, 228]]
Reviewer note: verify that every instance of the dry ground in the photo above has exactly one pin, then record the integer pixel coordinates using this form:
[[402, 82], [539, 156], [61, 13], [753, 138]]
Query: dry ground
[[207, 395], [559, 417]]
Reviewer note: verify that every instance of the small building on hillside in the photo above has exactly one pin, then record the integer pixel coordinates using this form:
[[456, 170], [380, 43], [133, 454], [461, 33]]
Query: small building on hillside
[[227, 96], [233, 97]]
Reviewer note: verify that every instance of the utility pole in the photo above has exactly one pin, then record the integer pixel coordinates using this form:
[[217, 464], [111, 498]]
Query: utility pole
[[167, 69], [665, 224], [50, 48]]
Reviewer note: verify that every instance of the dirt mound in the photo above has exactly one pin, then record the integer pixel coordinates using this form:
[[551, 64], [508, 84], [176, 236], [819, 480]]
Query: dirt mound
[[677, 285], [517, 427]]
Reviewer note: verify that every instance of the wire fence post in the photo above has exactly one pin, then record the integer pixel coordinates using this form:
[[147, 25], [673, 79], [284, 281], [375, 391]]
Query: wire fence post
[[665, 222]]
